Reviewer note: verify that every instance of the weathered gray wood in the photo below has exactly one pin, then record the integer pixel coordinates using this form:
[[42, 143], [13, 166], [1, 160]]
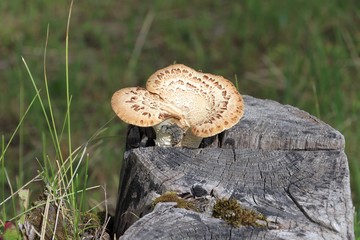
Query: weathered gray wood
[[269, 125], [167, 222], [302, 188]]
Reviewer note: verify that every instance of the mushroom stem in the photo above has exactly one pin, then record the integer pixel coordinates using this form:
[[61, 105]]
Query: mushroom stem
[[190, 140], [168, 133]]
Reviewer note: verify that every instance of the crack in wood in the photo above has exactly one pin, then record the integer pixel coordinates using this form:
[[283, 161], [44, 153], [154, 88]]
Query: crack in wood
[[234, 154], [303, 211]]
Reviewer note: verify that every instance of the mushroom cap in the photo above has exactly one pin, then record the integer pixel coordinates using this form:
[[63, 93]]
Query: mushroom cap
[[209, 103], [137, 106], [202, 103]]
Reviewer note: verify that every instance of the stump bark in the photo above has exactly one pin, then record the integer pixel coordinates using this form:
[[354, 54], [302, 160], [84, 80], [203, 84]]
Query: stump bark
[[278, 160]]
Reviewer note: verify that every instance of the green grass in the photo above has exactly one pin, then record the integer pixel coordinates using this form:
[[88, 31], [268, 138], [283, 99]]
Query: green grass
[[64, 176], [303, 53]]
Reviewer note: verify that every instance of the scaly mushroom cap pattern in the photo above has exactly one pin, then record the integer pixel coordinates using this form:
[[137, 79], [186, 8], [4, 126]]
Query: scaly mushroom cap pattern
[[202, 103], [138, 106]]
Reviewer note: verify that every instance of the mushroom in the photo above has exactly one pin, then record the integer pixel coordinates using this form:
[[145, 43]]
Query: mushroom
[[181, 104]]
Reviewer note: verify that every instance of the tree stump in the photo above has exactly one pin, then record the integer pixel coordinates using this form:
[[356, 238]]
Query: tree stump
[[278, 160]]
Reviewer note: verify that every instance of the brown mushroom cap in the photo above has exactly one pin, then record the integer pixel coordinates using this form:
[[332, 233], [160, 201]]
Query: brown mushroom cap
[[210, 103], [206, 104], [137, 106]]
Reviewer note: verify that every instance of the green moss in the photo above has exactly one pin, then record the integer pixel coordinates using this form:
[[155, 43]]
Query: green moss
[[234, 214], [173, 197]]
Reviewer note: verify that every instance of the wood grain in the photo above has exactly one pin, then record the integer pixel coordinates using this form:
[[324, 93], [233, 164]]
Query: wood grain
[[269, 125]]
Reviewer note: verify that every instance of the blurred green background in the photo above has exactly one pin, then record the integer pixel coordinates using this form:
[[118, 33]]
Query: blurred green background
[[302, 53]]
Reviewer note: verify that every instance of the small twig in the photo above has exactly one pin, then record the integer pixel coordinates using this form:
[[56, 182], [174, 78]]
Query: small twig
[[45, 218]]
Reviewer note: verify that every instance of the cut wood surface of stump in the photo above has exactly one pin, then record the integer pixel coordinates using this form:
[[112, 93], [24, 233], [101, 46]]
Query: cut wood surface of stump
[[278, 161]]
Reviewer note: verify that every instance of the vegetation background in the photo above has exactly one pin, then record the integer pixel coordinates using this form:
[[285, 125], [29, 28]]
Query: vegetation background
[[302, 53]]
